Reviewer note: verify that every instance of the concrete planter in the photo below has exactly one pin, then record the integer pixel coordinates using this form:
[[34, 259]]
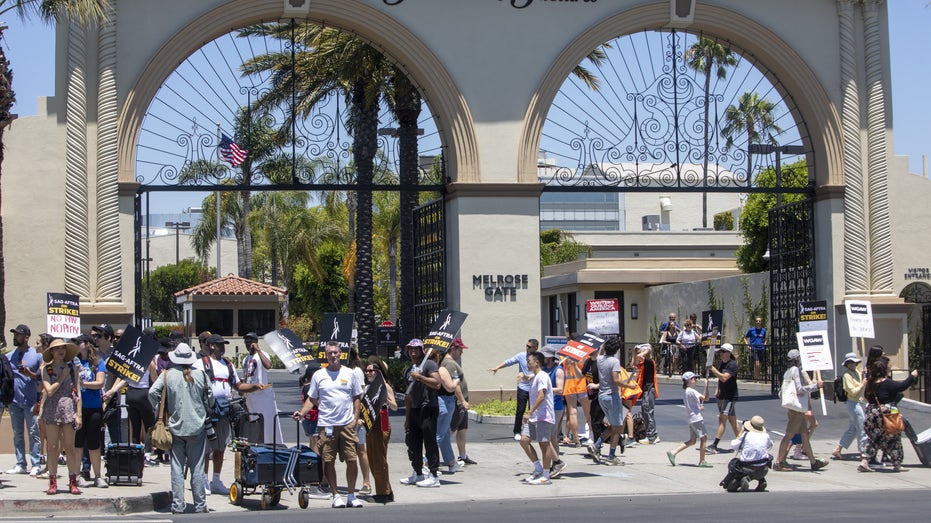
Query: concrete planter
[[491, 420]]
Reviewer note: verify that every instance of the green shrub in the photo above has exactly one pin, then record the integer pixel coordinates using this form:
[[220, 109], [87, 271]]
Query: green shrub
[[496, 408]]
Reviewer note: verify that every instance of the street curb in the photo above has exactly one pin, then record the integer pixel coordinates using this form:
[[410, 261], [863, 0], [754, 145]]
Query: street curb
[[155, 501], [491, 420]]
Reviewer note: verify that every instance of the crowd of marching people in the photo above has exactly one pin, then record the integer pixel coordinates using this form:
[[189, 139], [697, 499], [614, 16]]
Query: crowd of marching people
[[68, 405]]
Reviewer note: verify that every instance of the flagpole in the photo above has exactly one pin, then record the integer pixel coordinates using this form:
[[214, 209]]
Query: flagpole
[[218, 205]]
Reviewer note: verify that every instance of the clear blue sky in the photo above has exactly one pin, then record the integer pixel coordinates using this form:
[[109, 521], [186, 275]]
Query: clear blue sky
[[29, 47]]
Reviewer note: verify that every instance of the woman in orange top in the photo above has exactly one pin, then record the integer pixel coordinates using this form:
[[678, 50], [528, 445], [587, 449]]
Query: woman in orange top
[[646, 378], [575, 391]]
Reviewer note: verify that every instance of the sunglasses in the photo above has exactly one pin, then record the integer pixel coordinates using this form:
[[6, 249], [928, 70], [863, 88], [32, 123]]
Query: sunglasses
[[369, 370]]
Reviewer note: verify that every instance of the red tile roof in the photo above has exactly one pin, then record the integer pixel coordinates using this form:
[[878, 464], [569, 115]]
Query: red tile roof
[[232, 285]]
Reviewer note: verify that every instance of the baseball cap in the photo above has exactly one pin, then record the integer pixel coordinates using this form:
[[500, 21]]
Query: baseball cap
[[217, 339], [459, 343], [550, 350], [727, 347], [22, 329], [106, 329], [251, 336], [793, 354], [689, 375]]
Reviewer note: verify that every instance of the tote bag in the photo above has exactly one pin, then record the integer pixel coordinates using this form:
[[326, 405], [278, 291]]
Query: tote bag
[[789, 394]]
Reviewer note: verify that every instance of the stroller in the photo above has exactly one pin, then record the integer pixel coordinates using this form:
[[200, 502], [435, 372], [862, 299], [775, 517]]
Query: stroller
[[741, 473]]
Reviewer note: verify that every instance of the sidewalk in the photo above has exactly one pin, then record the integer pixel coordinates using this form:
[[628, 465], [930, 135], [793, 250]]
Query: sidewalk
[[498, 475]]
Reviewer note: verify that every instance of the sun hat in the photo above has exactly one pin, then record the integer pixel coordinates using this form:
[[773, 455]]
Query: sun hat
[[755, 424], [70, 350], [793, 354], [182, 355], [851, 356], [727, 347], [689, 375]]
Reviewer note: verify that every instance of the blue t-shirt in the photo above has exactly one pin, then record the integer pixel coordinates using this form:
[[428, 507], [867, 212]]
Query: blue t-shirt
[[521, 360], [756, 337], [25, 390], [91, 398]]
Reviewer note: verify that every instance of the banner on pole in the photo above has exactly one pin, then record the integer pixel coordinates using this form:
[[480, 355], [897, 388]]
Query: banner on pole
[[64, 315], [131, 357], [602, 316], [580, 348]]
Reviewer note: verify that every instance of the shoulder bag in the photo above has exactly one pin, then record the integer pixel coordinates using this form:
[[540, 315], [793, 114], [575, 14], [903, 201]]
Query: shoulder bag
[[789, 394], [161, 437], [892, 420]]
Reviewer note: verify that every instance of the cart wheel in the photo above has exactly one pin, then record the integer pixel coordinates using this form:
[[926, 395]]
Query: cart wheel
[[303, 498], [276, 495], [236, 493], [266, 500]]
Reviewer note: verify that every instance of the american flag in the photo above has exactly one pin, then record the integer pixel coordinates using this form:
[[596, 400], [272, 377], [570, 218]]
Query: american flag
[[231, 152]]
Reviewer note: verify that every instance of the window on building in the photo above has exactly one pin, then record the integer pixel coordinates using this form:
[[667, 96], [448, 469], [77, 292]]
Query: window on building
[[217, 321], [258, 321]]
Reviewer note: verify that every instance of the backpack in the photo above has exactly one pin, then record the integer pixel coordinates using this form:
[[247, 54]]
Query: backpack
[[839, 393], [640, 427], [7, 381]]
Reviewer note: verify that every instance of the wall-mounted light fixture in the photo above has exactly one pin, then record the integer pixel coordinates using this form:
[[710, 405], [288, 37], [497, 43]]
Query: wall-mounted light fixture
[[634, 311]]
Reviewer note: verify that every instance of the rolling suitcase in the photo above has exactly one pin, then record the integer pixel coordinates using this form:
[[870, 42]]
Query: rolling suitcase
[[920, 442], [124, 463], [250, 426]]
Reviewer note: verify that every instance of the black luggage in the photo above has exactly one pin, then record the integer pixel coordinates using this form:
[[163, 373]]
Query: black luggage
[[125, 462], [920, 442], [250, 426]]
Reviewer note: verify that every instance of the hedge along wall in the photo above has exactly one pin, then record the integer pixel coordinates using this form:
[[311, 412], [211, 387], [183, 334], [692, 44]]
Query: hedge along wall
[[741, 297]]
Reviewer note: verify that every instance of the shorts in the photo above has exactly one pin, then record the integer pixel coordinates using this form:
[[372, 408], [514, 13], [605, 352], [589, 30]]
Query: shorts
[[727, 407], [89, 436], [697, 430], [578, 397], [460, 419], [222, 427], [541, 431], [796, 424], [342, 443], [758, 355], [613, 408], [310, 427]]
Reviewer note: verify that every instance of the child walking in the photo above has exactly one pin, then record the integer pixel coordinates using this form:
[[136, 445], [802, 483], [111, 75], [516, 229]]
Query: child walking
[[693, 406]]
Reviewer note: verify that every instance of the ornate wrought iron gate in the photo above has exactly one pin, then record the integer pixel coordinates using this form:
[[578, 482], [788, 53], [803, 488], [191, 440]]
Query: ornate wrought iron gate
[[429, 264], [791, 277]]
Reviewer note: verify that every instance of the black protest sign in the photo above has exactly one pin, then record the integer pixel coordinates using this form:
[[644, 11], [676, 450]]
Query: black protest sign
[[132, 355], [336, 326], [712, 323], [374, 397], [580, 348], [444, 330], [289, 348]]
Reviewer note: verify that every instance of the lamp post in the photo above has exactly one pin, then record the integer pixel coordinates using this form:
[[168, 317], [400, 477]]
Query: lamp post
[[178, 226]]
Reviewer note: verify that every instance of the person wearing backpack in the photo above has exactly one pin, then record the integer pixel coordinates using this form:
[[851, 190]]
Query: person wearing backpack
[[25, 363], [223, 381], [853, 387]]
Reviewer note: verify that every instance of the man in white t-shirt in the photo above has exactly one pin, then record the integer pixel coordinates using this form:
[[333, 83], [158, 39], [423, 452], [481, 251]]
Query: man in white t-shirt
[[255, 370], [223, 381], [540, 421], [335, 391]]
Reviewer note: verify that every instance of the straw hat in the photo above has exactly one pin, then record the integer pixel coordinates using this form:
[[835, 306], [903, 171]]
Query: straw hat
[[755, 424], [71, 350]]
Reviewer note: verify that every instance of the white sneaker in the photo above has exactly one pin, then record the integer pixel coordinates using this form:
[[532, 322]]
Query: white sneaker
[[35, 470], [413, 479], [355, 503], [217, 487], [83, 483], [535, 475], [17, 470], [338, 502], [429, 481], [101, 483], [315, 492], [542, 480], [452, 469]]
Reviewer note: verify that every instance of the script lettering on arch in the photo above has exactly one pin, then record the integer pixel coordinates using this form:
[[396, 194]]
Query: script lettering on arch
[[516, 4]]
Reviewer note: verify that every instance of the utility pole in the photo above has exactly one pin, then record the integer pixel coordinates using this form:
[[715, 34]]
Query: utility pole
[[178, 226]]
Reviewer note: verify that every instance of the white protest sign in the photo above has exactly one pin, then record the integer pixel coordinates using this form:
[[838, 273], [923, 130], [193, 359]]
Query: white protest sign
[[860, 319], [64, 315], [815, 351], [602, 316]]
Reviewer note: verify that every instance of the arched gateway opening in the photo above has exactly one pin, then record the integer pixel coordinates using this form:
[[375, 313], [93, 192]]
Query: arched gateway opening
[[260, 124]]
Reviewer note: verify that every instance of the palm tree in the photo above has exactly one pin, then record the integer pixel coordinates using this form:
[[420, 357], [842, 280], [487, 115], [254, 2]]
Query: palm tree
[[703, 56], [386, 229], [333, 62], [753, 115], [85, 12]]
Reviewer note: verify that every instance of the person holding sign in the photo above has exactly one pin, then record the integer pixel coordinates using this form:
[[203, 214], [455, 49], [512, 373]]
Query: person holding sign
[[376, 439], [853, 387], [882, 395], [610, 383], [725, 394], [421, 410], [796, 408], [255, 370], [61, 410], [335, 391]]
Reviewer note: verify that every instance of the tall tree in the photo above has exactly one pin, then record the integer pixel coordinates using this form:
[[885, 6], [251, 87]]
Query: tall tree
[[386, 229], [85, 12], [754, 116], [704, 56]]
